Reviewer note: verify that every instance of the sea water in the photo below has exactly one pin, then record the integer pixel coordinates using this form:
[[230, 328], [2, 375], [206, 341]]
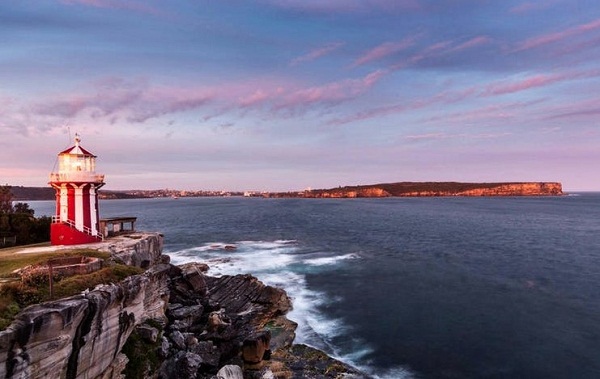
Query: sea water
[[410, 287]]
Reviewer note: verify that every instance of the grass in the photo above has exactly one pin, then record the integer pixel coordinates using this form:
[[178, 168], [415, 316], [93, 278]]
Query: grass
[[17, 295], [10, 260]]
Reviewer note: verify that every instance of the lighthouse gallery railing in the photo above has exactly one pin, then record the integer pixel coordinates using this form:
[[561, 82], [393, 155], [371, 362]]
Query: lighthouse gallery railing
[[76, 176]]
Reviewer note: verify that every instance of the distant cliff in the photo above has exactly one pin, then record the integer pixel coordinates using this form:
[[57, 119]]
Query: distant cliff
[[423, 189]]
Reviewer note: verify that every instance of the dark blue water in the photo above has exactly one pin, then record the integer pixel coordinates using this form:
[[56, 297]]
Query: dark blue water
[[427, 288]]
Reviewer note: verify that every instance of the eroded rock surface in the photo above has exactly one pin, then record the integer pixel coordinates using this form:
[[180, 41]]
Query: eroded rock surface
[[169, 322], [81, 336]]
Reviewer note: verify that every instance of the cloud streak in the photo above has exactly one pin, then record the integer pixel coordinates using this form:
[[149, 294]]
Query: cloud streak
[[138, 101], [535, 81], [384, 50], [447, 97], [546, 39], [317, 53]]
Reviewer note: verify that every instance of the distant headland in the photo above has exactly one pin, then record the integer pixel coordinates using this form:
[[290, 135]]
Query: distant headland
[[430, 189], [400, 189]]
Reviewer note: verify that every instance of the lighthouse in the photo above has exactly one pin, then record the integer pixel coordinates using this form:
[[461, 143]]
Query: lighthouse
[[76, 220]]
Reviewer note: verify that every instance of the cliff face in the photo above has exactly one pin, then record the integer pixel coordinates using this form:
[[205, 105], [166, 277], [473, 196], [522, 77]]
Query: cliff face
[[361, 192], [173, 322], [82, 336], [427, 189], [517, 189]]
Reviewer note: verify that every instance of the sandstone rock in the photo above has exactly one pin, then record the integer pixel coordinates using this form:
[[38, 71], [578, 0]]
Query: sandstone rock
[[209, 352], [263, 373], [180, 312], [40, 341], [190, 340], [140, 250], [182, 365], [302, 361], [194, 266], [148, 333], [255, 348], [198, 323], [178, 339], [245, 297], [230, 372], [163, 349], [424, 189], [116, 368], [217, 321]]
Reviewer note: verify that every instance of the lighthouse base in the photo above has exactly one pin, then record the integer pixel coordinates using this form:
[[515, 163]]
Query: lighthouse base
[[63, 234]]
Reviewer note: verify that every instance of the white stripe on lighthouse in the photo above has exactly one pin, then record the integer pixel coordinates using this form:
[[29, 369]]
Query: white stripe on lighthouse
[[93, 210], [79, 208], [64, 203]]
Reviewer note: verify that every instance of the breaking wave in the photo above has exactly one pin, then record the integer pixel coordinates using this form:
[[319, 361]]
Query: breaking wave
[[283, 264]]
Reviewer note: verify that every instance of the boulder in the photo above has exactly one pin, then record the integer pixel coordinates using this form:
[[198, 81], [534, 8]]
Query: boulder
[[230, 372]]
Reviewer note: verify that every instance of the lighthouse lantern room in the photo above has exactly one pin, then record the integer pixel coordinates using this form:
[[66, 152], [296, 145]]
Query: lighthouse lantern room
[[76, 183]]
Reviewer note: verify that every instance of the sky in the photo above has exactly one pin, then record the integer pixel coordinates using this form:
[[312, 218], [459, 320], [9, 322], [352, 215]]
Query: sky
[[277, 95]]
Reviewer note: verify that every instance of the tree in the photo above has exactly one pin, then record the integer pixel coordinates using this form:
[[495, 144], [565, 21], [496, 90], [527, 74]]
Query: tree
[[18, 220], [6, 200], [23, 208]]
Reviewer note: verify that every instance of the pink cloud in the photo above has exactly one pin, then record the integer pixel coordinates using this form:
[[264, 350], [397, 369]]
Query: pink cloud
[[114, 98], [443, 136], [426, 136], [257, 97], [137, 101], [445, 97], [473, 42], [430, 51], [525, 84], [503, 87], [334, 92], [587, 108], [440, 49], [558, 36], [160, 102], [488, 113], [457, 96], [384, 50], [317, 53]]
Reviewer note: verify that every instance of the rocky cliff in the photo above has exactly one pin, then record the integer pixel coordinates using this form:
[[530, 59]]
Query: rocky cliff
[[423, 189], [168, 322], [82, 336]]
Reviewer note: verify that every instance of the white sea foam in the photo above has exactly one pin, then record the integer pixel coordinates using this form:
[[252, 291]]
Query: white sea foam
[[394, 373], [326, 261]]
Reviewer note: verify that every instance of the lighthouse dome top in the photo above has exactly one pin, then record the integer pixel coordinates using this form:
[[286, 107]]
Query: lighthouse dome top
[[76, 165], [77, 149]]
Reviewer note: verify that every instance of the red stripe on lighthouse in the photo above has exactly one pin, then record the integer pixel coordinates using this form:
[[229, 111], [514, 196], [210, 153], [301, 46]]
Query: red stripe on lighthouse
[[71, 203], [97, 212], [87, 217]]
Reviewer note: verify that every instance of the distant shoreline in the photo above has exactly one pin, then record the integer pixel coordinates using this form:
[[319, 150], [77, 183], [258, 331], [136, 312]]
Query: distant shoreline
[[399, 189]]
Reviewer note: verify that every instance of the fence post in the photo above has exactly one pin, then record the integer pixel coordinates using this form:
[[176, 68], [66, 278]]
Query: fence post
[[50, 277]]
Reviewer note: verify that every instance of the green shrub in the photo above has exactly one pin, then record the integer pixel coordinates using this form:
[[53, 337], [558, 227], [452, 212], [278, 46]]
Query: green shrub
[[18, 295], [143, 356]]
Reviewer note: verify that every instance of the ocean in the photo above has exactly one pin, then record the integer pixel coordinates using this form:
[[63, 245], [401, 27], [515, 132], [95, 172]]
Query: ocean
[[458, 287]]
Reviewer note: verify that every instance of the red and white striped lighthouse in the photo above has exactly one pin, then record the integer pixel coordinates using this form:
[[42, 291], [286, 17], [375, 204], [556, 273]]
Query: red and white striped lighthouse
[[76, 184]]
